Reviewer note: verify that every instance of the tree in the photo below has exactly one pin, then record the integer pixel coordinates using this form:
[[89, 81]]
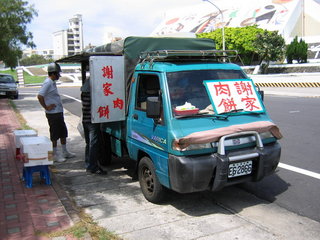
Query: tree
[[270, 46], [251, 42], [238, 38], [297, 51], [14, 17], [35, 59]]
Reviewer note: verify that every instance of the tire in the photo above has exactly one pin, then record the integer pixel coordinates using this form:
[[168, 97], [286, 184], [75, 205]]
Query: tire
[[150, 186]]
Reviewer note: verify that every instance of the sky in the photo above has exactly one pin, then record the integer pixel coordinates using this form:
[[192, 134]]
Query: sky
[[121, 17]]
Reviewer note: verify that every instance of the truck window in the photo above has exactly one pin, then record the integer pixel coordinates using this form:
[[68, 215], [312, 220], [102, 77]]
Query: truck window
[[148, 86], [187, 86]]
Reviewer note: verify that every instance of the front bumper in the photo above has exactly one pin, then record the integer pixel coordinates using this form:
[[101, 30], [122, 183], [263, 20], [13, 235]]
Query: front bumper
[[199, 173], [8, 93]]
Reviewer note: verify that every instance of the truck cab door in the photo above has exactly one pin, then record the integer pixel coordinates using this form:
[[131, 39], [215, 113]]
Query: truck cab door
[[148, 134]]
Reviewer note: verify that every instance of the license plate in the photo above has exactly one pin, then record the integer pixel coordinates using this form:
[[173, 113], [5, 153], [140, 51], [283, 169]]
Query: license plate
[[240, 169]]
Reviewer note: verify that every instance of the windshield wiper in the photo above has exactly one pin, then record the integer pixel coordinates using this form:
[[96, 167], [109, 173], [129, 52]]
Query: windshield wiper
[[203, 114], [239, 110], [233, 111]]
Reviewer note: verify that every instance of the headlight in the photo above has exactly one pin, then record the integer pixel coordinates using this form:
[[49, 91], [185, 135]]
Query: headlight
[[177, 147]]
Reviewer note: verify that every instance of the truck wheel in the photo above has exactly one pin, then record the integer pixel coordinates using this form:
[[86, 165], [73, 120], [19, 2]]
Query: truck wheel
[[151, 188]]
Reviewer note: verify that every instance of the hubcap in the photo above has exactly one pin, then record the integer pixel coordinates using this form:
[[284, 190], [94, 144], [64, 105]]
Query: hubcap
[[148, 179]]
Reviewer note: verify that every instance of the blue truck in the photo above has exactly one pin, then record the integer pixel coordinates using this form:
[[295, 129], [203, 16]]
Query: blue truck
[[190, 119]]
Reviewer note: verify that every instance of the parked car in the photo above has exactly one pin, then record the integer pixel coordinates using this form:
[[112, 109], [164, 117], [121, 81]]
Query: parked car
[[8, 86]]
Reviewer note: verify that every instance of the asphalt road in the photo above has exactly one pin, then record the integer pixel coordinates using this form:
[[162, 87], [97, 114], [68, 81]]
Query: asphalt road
[[298, 119]]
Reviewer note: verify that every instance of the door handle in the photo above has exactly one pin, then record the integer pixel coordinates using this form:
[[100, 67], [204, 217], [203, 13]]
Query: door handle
[[135, 116]]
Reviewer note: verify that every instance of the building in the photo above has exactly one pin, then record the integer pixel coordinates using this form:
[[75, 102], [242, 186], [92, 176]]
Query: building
[[69, 41], [47, 53], [60, 43], [289, 17]]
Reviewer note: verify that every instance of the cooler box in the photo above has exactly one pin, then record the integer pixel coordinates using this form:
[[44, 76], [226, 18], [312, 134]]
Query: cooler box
[[36, 151], [19, 134], [23, 133]]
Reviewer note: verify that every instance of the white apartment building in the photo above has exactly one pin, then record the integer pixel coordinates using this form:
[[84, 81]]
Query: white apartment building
[[69, 42], [47, 53]]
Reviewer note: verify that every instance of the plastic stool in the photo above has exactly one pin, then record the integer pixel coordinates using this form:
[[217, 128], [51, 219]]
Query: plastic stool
[[44, 174]]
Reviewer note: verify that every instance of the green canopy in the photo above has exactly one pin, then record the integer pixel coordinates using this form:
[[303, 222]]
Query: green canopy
[[132, 47]]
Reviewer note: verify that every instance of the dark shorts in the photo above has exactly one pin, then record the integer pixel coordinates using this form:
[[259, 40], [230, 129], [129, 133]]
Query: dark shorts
[[58, 128]]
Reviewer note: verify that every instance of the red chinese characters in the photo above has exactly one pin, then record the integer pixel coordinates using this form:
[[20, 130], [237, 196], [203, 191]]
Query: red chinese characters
[[233, 95], [249, 103], [228, 104], [106, 111], [107, 89], [243, 87], [118, 103], [107, 72], [222, 89]]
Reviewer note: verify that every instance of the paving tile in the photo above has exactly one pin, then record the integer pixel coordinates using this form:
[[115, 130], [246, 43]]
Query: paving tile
[[10, 206], [5, 180], [12, 217], [42, 201], [47, 212], [23, 210], [52, 224], [13, 230], [8, 196]]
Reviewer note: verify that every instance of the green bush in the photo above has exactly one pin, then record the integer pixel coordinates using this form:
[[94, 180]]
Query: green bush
[[28, 79], [297, 50]]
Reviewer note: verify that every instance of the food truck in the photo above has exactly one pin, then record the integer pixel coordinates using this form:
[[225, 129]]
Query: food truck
[[190, 119]]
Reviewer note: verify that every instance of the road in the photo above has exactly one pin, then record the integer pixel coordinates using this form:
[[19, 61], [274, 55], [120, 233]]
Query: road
[[297, 118], [296, 190]]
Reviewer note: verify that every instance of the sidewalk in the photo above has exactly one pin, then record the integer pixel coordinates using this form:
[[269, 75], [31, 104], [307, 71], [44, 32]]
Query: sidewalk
[[25, 213], [116, 203]]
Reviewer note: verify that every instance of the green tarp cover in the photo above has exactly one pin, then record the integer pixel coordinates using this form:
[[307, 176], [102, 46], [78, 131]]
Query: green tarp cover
[[131, 48]]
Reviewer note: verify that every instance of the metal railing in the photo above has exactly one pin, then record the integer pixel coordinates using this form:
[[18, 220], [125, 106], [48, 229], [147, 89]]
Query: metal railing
[[168, 55]]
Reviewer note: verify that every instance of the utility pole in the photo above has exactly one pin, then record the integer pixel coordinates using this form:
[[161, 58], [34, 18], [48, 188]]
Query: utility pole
[[222, 20]]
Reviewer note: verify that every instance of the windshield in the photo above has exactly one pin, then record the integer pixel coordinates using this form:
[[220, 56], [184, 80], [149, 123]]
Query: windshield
[[187, 87], [6, 79]]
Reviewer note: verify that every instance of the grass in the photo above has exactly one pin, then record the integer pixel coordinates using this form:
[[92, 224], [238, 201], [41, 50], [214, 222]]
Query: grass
[[28, 79], [22, 121], [85, 226]]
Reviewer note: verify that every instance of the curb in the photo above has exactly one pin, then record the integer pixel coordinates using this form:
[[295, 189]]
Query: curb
[[294, 84]]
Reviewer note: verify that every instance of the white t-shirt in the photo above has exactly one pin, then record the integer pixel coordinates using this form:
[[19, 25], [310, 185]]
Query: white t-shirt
[[51, 96]]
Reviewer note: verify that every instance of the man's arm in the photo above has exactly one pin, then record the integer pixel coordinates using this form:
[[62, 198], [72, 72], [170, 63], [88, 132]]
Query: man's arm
[[43, 104]]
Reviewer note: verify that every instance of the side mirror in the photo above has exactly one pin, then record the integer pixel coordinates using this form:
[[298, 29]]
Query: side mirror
[[261, 94], [153, 107]]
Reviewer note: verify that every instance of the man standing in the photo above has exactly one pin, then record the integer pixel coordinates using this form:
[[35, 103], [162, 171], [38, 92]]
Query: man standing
[[49, 99], [91, 133]]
